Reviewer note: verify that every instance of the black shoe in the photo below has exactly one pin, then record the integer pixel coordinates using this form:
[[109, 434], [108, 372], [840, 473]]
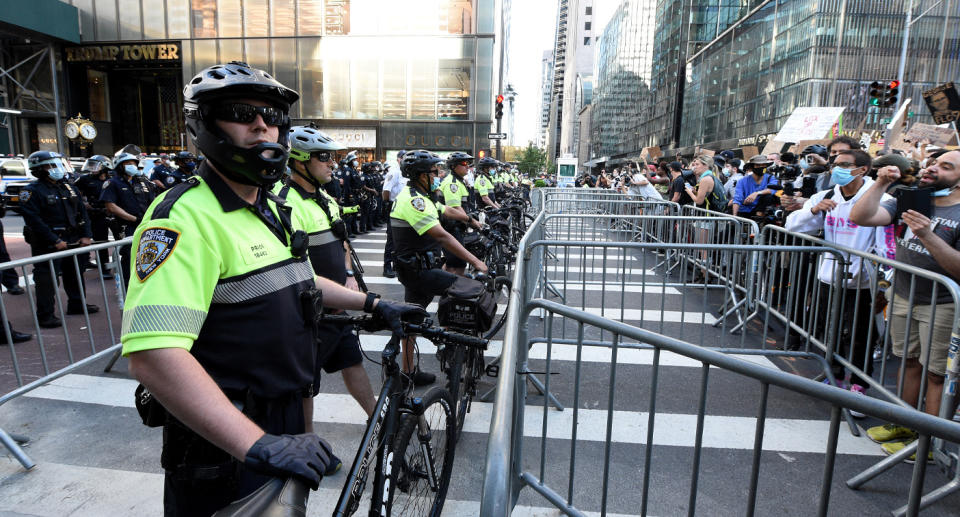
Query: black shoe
[[18, 337], [49, 322], [79, 310], [351, 235], [388, 271], [422, 378], [16, 290]]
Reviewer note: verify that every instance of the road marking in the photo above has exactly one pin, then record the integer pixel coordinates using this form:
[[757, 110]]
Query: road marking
[[671, 429], [61, 489]]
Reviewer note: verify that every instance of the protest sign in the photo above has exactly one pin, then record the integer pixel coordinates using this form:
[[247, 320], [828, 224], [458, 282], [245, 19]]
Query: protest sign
[[943, 102], [809, 124]]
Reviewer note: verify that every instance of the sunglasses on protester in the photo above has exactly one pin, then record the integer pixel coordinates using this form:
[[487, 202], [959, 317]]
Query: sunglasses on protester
[[247, 113]]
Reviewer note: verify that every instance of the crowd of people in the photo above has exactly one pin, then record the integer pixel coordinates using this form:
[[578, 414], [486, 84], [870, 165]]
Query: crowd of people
[[903, 206]]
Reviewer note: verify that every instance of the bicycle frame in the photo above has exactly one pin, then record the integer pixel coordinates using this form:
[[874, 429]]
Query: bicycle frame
[[377, 440]]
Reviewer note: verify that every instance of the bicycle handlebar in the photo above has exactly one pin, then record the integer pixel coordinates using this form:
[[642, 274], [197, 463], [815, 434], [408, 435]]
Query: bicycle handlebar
[[426, 329]]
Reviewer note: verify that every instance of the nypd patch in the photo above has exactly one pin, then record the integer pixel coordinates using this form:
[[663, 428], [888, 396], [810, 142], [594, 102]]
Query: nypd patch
[[25, 195], [418, 203], [156, 246], [454, 188]]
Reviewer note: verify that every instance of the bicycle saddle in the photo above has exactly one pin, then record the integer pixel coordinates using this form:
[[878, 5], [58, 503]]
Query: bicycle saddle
[[276, 498]]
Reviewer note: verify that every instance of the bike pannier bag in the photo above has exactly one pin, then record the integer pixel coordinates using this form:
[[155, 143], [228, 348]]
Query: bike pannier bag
[[467, 306]]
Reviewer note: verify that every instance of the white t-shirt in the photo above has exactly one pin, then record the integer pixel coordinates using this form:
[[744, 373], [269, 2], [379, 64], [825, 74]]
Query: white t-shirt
[[394, 183]]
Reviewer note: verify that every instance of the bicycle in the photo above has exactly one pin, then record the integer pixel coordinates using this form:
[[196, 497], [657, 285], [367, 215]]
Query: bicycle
[[419, 468], [413, 440]]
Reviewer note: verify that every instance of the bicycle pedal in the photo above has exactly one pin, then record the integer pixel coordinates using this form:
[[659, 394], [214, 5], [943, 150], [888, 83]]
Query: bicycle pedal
[[492, 370]]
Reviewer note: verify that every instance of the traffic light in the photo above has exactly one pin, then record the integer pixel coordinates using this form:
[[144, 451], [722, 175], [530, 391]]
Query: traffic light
[[481, 154], [499, 112], [876, 92], [890, 93]]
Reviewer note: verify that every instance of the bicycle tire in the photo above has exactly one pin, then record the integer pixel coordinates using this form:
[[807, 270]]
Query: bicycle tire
[[457, 378], [410, 491], [503, 317]]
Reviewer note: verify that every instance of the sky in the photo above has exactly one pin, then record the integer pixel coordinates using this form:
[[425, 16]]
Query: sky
[[533, 30]]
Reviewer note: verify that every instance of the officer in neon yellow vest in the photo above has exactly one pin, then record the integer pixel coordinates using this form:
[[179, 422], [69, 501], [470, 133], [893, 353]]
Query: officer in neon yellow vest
[[418, 238], [456, 197], [311, 165], [483, 185], [213, 323]]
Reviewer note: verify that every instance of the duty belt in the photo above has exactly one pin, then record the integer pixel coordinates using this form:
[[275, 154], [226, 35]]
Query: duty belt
[[420, 261]]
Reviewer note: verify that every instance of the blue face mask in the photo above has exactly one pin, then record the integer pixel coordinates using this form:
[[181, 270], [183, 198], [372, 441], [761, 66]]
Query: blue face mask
[[131, 170], [942, 192], [841, 176], [188, 166], [57, 173], [436, 184], [803, 164]]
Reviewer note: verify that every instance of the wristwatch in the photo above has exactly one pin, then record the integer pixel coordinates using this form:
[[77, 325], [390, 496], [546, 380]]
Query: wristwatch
[[368, 304], [350, 272]]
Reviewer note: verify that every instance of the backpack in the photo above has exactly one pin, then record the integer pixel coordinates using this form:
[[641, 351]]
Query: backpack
[[717, 199]]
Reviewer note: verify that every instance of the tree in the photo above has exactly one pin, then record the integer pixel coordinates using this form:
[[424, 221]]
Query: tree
[[532, 159]]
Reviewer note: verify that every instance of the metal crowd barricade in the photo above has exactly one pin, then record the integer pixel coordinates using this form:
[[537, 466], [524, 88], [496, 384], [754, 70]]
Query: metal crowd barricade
[[552, 282], [858, 297], [58, 357]]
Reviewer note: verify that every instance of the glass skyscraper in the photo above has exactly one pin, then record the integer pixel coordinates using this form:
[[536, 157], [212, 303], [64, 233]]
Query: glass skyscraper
[[738, 69], [381, 74]]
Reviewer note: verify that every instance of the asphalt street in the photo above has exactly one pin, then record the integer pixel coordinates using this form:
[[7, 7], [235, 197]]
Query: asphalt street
[[95, 457]]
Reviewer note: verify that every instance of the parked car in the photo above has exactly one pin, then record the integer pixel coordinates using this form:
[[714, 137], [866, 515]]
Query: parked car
[[14, 175]]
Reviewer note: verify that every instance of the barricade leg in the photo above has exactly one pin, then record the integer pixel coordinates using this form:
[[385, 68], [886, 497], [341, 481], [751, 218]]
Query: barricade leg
[[15, 449]]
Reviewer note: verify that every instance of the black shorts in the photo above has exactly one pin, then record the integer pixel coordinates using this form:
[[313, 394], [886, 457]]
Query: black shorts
[[420, 288], [338, 347]]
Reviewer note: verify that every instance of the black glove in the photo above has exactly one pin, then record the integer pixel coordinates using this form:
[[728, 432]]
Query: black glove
[[305, 456], [392, 312]]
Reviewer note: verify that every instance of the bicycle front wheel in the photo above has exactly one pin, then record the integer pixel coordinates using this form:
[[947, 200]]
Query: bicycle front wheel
[[425, 448], [457, 379]]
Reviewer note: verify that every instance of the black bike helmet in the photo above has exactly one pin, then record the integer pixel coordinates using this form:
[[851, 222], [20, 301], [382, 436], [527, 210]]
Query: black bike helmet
[[369, 167], [184, 156], [458, 157], [237, 80], [486, 163], [815, 149], [418, 162]]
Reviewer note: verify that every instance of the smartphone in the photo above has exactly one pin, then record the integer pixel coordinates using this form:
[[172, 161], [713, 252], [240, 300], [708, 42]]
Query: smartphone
[[919, 200]]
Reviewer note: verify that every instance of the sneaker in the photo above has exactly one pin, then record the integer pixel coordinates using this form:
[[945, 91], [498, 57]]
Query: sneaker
[[333, 466], [422, 378], [16, 290], [859, 390], [890, 432], [892, 448]]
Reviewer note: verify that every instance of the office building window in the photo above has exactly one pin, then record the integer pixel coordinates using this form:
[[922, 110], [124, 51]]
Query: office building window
[[586, 41], [204, 14], [98, 94], [589, 11], [586, 26]]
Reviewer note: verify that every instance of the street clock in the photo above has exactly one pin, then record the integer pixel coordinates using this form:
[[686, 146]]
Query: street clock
[[80, 130]]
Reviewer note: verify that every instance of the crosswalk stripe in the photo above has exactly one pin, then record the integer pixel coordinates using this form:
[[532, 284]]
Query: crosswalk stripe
[[102, 491], [672, 429], [563, 352]]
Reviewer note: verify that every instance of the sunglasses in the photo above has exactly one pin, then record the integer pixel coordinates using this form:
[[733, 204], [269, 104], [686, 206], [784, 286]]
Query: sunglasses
[[322, 156], [246, 113]]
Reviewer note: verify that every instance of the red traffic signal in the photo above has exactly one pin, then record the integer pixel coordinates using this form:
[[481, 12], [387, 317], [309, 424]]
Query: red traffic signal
[[894, 84], [499, 99], [481, 154]]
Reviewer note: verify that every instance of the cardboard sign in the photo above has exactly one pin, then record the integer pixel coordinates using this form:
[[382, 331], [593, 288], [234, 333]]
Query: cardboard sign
[[938, 136], [806, 143], [897, 124], [749, 151], [773, 146], [943, 102], [652, 153], [707, 152], [809, 124]]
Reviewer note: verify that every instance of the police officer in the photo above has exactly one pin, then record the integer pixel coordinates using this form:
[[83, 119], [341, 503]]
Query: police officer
[[311, 165], [54, 216], [418, 238], [456, 196], [164, 176], [483, 185], [229, 353], [368, 184], [96, 171], [351, 189], [126, 197], [393, 183]]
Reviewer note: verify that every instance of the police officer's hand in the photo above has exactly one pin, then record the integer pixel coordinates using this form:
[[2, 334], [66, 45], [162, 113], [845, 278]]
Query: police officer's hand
[[476, 224], [60, 245], [86, 241], [480, 267], [305, 456], [393, 312]]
